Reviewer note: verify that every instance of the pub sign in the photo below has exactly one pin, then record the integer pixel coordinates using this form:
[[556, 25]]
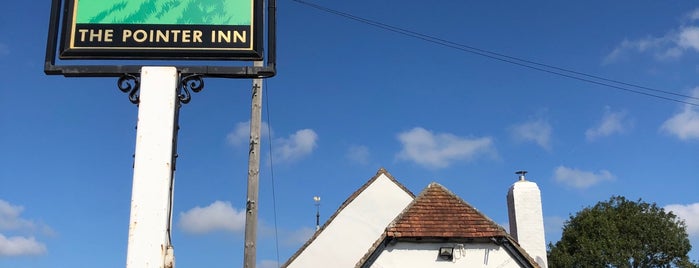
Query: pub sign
[[162, 29]]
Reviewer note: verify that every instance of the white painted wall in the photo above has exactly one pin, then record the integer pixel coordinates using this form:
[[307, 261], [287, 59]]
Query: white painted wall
[[355, 229], [527, 220], [420, 255]]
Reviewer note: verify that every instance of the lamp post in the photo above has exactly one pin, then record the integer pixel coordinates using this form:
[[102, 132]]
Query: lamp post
[[317, 201]]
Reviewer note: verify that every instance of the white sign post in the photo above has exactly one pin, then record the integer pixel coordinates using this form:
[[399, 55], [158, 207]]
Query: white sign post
[[153, 177]]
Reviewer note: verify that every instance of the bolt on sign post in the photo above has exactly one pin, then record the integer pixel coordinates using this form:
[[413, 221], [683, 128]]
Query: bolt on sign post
[[226, 34]]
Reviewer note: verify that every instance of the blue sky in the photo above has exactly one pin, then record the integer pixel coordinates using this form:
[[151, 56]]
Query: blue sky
[[348, 99]]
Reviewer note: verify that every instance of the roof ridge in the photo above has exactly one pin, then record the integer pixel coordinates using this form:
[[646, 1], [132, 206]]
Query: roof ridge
[[402, 221], [471, 206], [394, 180]]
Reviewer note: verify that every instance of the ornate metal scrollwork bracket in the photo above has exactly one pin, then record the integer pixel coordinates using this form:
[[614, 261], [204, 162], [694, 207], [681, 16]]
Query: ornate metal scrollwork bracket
[[129, 83], [192, 82]]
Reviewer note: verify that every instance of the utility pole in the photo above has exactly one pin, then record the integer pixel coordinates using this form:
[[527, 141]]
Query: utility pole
[[250, 253]]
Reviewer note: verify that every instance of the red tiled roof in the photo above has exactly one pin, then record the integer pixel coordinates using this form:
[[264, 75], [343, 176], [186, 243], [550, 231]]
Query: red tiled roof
[[438, 213]]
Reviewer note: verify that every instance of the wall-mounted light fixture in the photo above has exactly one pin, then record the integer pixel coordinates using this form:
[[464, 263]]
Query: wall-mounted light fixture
[[446, 253]]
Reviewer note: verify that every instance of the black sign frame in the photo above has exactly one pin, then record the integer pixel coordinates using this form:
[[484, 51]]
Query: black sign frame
[[59, 30]]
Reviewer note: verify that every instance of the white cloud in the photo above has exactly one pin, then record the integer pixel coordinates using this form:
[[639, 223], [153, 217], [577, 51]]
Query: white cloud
[[673, 44], [295, 147], [20, 246], [268, 264], [219, 216], [641, 46], [685, 124], [694, 15], [358, 154], [688, 38], [11, 220], [442, 149], [240, 136], [690, 214], [580, 179], [611, 123], [537, 131], [290, 149], [298, 237], [553, 227]]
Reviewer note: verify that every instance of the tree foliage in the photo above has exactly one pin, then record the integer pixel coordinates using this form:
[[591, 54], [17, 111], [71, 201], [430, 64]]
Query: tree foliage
[[622, 233]]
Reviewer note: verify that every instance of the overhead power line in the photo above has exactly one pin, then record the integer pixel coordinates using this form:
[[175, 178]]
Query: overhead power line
[[542, 67], [271, 170]]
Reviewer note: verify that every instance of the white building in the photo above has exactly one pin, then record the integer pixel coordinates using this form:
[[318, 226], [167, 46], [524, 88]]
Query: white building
[[384, 225], [353, 229]]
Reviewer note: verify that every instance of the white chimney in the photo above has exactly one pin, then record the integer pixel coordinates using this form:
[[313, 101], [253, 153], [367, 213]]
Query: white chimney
[[526, 218]]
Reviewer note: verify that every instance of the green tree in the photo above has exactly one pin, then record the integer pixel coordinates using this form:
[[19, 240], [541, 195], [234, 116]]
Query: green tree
[[622, 233]]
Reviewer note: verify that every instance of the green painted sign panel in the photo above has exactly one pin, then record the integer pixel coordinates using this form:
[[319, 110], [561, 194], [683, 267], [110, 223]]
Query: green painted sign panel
[[162, 29]]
